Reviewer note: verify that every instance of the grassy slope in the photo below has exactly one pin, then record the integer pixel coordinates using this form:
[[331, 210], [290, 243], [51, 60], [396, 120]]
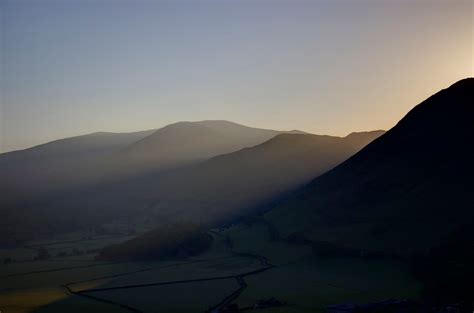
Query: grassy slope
[[308, 283]]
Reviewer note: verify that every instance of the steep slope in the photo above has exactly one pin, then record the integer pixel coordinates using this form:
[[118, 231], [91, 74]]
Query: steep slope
[[226, 184], [404, 192]]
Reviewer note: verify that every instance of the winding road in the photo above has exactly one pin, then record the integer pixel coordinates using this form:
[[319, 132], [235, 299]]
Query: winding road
[[94, 293], [240, 278], [90, 293]]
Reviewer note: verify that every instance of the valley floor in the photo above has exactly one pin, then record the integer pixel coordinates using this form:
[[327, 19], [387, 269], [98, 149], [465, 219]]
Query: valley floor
[[244, 266]]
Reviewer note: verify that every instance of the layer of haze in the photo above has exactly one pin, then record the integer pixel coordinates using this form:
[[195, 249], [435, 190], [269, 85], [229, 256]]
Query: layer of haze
[[326, 67]]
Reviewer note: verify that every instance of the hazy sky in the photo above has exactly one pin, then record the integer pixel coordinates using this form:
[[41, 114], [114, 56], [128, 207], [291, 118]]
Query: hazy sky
[[327, 67]]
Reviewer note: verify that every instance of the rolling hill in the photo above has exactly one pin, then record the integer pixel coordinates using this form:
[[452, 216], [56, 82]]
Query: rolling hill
[[81, 161], [34, 178], [218, 189], [60, 163], [232, 183], [185, 143], [198, 140], [229, 186]]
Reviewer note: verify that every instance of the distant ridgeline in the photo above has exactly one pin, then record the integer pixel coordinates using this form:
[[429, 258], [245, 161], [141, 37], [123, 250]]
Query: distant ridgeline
[[208, 172]]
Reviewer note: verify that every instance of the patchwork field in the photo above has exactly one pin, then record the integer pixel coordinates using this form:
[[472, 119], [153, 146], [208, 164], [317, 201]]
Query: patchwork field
[[246, 260]]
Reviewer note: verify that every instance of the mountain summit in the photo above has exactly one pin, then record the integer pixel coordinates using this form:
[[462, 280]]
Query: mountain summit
[[190, 141]]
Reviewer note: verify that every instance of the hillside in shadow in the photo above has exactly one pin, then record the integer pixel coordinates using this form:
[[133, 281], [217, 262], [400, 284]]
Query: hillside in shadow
[[213, 191], [233, 185], [32, 179]]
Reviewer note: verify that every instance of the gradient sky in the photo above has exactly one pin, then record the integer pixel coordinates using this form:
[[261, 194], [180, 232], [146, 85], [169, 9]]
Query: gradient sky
[[326, 67]]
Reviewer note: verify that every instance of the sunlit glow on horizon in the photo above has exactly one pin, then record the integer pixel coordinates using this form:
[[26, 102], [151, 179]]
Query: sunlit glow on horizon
[[321, 67]]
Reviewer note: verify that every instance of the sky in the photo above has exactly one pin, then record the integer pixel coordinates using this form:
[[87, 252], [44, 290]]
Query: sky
[[326, 67]]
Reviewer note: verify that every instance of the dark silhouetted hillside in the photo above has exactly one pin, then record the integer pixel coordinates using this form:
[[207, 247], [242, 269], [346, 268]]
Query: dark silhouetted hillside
[[401, 194], [227, 185]]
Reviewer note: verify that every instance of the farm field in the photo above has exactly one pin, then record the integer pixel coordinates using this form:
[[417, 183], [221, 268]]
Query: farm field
[[245, 258], [188, 297], [306, 283], [311, 284], [28, 285]]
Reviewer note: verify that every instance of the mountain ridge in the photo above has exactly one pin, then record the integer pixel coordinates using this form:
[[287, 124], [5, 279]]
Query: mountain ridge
[[412, 172], [222, 186]]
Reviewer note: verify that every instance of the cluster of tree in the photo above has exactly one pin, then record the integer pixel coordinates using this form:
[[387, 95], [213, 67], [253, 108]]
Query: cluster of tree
[[170, 241], [43, 254]]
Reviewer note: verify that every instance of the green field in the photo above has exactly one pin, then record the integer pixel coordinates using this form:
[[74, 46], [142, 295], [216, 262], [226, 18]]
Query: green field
[[189, 297], [299, 279], [307, 283]]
